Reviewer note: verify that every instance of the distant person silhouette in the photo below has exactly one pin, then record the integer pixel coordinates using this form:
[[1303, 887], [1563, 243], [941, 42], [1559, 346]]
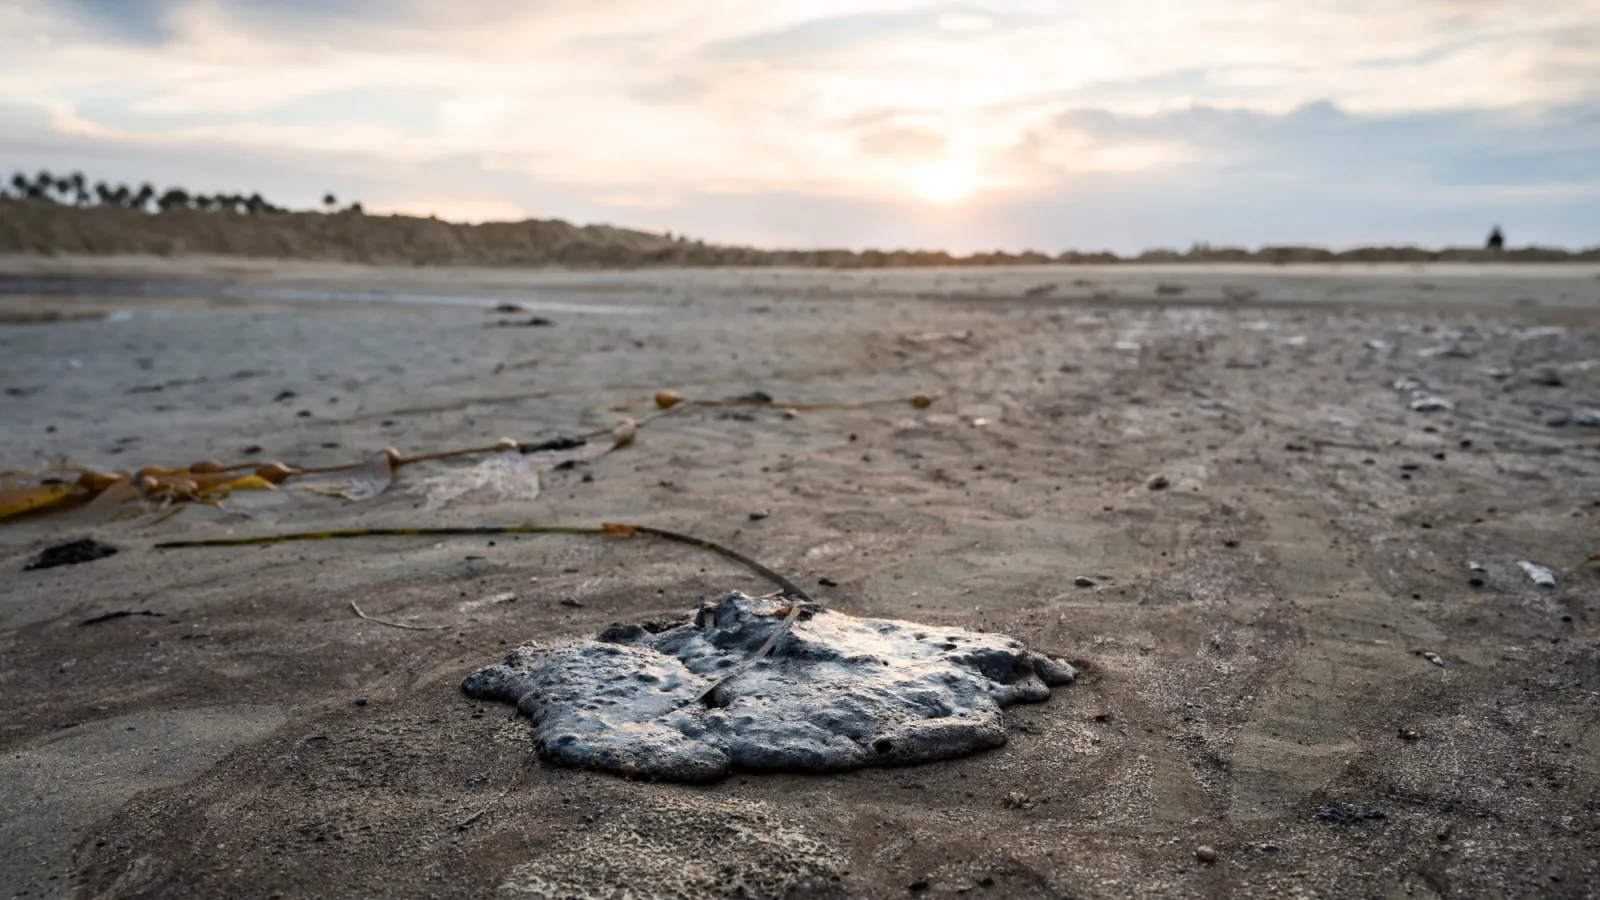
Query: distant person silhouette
[[1497, 241]]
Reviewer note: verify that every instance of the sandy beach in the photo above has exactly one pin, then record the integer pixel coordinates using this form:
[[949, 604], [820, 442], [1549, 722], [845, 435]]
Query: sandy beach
[[1306, 639]]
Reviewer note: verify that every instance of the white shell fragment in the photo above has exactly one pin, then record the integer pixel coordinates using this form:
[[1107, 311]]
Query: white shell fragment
[[1541, 576]]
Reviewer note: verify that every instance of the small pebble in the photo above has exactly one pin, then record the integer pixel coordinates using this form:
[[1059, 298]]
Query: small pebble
[[1158, 483], [1409, 734], [1434, 658], [825, 581], [1205, 854], [361, 701], [757, 515], [572, 602], [921, 884], [1083, 581]]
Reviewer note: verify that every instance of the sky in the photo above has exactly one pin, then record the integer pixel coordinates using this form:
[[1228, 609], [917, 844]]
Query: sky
[[1012, 124]]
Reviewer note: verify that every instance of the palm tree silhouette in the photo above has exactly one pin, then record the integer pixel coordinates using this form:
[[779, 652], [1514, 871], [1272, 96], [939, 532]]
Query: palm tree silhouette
[[173, 198]]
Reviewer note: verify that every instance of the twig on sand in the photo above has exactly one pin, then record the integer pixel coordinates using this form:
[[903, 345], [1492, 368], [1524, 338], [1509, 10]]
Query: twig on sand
[[607, 529], [789, 589], [392, 624], [118, 614]]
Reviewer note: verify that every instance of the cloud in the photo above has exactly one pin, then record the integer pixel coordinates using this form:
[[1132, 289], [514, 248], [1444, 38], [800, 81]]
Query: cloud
[[679, 114]]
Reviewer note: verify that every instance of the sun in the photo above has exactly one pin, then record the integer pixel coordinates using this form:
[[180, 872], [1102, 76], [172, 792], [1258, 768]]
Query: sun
[[944, 182]]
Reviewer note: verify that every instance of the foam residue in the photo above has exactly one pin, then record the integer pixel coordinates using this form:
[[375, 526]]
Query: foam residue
[[837, 692]]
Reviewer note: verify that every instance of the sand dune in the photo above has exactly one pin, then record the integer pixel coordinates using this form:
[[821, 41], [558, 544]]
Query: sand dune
[[50, 228]]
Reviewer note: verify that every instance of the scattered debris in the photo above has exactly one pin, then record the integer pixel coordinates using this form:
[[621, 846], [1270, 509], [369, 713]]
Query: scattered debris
[[1541, 576], [837, 692], [70, 553], [120, 614], [393, 624], [209, 481], [509, 475], [1342, 814], [369, 480]]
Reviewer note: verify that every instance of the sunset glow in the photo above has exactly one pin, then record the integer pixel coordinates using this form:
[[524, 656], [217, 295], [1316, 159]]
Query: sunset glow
[[818, 122], [943, 182]]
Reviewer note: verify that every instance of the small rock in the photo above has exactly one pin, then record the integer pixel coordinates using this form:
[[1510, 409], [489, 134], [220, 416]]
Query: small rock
[[572, 602], [1205, 854], [1016, 800], [1434, 658], [1431, 404], [825, 581], [1541, 576], [361, 701], [1409, 734], [921, 884], [71, 553], [1587, 418], [1083, 581], [757, 515], [1270, 848], [1158, 483], [1546, 377]]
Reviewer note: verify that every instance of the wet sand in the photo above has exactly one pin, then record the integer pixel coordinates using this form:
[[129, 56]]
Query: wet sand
[[1254, 642]]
